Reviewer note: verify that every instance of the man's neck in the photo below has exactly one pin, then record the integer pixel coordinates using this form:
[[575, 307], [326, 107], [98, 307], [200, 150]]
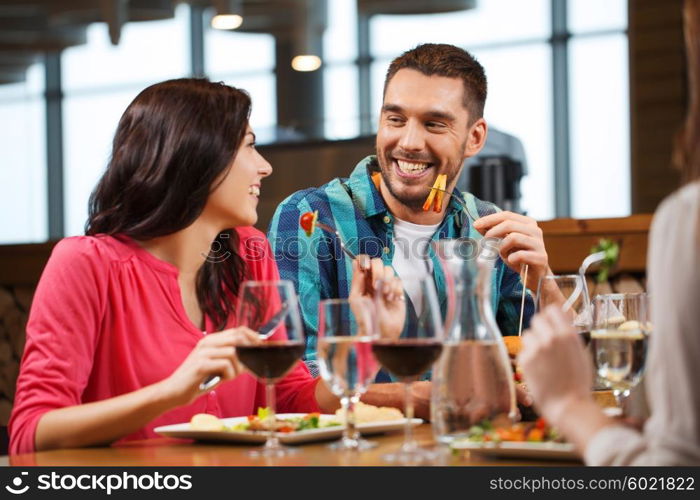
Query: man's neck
[[408, 214]]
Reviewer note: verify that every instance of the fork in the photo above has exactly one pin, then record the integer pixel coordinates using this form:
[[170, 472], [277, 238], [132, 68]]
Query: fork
[[458, 198], [264, 332], [364, 265]]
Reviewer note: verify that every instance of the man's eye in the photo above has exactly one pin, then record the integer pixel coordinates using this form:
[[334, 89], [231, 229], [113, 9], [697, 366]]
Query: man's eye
[[435, 125], [394, 119]]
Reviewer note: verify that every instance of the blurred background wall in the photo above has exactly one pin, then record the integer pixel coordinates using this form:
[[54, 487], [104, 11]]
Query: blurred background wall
[[593, 90]]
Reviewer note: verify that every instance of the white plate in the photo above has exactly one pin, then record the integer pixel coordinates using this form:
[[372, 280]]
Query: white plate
[[517, 449], [185, 431]]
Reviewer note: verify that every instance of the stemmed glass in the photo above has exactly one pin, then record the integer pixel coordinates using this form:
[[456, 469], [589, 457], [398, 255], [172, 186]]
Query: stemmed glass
[[407, 342], [271, 308], [571, 294], [619, 340], [346, 363]]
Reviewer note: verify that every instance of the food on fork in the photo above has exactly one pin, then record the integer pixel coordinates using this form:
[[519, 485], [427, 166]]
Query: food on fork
[[365, 413], [513, 344], [206, 422], [307, 221], [436, 195]]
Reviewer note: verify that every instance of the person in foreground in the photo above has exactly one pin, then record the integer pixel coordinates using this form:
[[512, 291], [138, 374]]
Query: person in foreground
[[557, 371], [431, 120], [128, 320]]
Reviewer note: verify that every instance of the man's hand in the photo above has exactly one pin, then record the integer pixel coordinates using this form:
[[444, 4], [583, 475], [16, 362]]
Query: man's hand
[[390, 305], [522, 243], [392, 394]]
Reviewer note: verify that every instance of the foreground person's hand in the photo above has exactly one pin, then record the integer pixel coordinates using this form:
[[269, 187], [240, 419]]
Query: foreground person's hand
[[555, 367], [214, 355]]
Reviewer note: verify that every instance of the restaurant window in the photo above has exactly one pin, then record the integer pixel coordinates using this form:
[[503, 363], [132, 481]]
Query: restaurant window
[[23, 197], [517, 60], [99, 81], [599, 109], [340, 72], [247, 61]]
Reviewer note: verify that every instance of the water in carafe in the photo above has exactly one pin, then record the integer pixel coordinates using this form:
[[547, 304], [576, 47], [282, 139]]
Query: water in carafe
[[473, 380]]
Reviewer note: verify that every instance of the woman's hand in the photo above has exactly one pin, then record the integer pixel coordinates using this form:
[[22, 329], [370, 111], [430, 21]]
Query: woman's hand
[[214, 355], [390, 300], [555, 366]]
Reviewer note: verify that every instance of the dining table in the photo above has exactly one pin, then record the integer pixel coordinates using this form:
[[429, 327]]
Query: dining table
[[160, 452]]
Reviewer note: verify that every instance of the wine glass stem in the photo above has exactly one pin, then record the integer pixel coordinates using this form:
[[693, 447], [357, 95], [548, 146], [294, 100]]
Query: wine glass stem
[[272, 441], [408, 441], [620, 396], [348, 402]]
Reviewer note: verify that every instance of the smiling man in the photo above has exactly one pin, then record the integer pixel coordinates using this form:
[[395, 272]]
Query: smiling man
[[431, 121]]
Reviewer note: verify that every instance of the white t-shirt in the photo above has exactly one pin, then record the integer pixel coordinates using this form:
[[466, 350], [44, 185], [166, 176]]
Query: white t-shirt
[[411, 257]]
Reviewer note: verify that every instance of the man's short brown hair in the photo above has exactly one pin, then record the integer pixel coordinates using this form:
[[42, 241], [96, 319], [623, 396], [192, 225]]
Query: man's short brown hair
[[446, 60]]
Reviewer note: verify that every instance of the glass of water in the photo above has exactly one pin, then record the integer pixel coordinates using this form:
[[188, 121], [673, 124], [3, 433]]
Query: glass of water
[[346, 363], [619, 340]]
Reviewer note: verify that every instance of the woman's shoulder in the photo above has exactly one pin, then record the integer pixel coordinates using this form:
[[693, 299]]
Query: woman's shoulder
[[100, 248], [681, 208], [246, 233], [253, 243], [255, 250]]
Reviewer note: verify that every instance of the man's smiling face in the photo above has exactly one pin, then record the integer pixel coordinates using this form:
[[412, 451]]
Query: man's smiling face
[[423, 132]]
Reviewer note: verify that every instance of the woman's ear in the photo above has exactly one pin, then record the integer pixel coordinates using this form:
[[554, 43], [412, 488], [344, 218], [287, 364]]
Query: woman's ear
[[476, 138]]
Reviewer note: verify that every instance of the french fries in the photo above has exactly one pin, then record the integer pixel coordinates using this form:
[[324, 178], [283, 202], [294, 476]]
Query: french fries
[[437, 193]]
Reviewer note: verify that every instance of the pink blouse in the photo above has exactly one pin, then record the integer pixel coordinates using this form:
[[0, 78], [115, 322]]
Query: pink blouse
[[107, 319]]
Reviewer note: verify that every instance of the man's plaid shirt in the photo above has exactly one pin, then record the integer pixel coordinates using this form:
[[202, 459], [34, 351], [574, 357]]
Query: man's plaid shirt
[[320, 270]]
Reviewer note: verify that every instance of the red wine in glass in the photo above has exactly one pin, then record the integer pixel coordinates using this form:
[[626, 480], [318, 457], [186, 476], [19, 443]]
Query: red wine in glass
[[408, 357], [271, 360]]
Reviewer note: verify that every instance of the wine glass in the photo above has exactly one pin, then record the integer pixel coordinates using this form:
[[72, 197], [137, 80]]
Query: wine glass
[[345, 329], [271, 308], [406, 347], [619, 340], [571, 294]]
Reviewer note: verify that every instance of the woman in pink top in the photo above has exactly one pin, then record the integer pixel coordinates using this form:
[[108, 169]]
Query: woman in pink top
[[115, 340]]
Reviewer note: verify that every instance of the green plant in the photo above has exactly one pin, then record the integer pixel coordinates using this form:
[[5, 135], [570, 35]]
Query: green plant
[[612, 254]]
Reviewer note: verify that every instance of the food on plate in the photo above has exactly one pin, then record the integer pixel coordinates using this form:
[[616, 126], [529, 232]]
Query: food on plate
[[206, 422], [630, 325], [259, 422], [490, 432], [436, 195], [307, 221], [365, 413]]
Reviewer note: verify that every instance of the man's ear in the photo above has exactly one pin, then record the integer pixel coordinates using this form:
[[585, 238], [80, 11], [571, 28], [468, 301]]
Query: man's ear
[[476, 138]]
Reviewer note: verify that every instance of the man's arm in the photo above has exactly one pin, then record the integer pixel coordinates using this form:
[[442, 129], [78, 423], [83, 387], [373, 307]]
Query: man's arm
[[394, 395]]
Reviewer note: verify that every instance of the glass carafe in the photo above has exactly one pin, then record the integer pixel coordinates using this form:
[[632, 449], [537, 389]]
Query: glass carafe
[[473, 380]]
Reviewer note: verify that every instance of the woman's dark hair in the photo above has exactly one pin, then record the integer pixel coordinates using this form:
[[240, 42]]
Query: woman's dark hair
[[174, 141], [686, 155]]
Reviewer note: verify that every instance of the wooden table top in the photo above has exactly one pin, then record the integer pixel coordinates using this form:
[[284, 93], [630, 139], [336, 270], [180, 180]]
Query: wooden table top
[[172, 452]]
